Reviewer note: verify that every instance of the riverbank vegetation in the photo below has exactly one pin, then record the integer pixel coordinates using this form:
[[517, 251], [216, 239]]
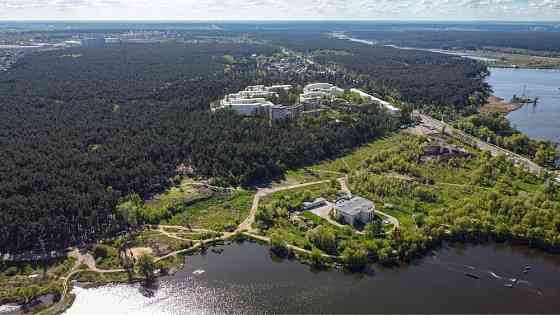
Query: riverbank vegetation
[[496, 129], [466, 197], [22, 282]]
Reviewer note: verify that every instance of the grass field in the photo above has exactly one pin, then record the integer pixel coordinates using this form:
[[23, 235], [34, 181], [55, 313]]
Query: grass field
[[216, 213]]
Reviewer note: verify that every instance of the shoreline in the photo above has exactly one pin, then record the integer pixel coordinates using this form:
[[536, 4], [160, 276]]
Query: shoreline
[[496, 104], [514, 67], [334, 266]]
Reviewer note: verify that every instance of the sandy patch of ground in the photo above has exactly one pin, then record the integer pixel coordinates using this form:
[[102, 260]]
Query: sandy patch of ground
[[495, 104], [139, 251]]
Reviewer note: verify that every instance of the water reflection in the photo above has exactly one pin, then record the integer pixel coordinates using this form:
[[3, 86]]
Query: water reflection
[[540, 121], [244, 279]]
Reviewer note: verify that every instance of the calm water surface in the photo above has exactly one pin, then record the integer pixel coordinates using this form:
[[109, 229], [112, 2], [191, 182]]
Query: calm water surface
[[244, 279], [541, 121]]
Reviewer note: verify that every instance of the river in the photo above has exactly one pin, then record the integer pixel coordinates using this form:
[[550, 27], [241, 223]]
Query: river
[[538, 122], [245, 279], [541, 121]]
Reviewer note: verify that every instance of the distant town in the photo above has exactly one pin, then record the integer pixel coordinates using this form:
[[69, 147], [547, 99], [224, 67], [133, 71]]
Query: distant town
[[14, 45]]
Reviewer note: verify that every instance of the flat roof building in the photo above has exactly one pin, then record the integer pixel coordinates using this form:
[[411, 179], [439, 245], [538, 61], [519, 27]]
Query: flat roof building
[[392, 109], [319, 202], [254, 100], [316, 91], [354, 209]]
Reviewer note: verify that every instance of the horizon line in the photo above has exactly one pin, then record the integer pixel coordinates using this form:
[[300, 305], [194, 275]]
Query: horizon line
[[276, 20]]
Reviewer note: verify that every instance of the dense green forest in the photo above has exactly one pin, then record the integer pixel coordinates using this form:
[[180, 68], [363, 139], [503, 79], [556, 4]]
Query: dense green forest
[[417, 77], [82, 128], [547, 43]]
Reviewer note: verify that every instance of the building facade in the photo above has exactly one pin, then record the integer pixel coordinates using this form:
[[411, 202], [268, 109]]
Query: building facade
[[319, 202], [354, 209], [317, 91], [254, 100], [392, 109]]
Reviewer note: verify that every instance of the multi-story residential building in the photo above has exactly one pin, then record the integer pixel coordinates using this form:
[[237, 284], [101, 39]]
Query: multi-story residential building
[[254, 100], [317, 91], [392, 109]]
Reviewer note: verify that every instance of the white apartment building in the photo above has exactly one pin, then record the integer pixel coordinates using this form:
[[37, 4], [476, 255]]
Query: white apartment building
[[316, 91], [392, 109], [253, 100]]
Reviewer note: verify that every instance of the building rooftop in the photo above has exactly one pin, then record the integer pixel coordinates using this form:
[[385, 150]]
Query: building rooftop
[[354, 205], [381, 102]]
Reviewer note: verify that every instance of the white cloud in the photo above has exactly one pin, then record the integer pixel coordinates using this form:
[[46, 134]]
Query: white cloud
[[282, 9]]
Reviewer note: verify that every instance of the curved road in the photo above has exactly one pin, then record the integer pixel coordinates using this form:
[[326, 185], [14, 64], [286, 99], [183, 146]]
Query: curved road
[[246, 225], [245, 228]]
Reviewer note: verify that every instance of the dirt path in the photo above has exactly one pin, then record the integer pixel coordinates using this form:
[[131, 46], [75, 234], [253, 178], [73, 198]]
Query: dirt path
[[292, 247], [394, 221], [198, 243], [246, 225], [324, 212], [81, 258], [344, 184]]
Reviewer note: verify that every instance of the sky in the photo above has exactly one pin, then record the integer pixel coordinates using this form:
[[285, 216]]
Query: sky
[[507, 10]]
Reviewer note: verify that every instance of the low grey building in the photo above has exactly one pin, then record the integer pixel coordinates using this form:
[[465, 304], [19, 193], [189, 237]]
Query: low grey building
[[319, 202], [354, 209]]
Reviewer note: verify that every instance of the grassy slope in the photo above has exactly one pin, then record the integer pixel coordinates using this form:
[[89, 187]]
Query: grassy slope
[[455, 194]]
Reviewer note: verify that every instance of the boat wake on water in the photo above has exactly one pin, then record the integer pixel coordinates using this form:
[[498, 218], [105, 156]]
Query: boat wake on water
[[474, 272]]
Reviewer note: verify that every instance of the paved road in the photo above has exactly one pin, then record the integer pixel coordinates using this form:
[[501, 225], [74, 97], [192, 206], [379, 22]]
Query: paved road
[[324, 212], [394, 221], [484, 146]]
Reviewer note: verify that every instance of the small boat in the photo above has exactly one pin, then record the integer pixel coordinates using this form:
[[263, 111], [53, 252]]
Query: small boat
[[472, 275], [198, 272]]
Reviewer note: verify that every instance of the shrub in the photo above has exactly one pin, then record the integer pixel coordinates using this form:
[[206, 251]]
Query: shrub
[[324, 238], [11, 271], [146, 266], [103, 251], [278, 245], [316, 257], [355, 257]]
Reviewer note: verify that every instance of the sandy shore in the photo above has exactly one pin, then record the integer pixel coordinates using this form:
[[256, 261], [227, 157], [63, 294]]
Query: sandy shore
[[496, 104]]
